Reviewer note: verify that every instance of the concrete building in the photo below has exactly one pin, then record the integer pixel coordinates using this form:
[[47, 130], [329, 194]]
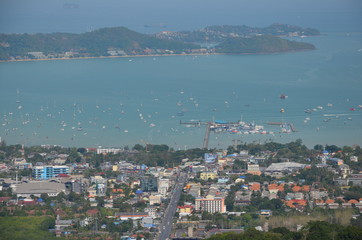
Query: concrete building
[[344, 170], [47, 172], [163, 186], [210, 204], [37, 188], [280, 168], [155, 200], [206, 175], [149, 184], [254, 169]]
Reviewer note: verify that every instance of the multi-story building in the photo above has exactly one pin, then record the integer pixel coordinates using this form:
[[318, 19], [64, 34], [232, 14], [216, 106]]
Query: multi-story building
[[149, 184], [207, 175], [211, 204], [47, 172], [254, 169]]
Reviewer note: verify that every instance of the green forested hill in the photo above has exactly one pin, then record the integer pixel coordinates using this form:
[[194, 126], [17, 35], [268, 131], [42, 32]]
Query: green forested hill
[[95, 43], [119, 41], [261, 44]]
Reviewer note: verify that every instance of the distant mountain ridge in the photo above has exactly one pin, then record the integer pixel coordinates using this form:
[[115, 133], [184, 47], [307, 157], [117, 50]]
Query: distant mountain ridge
[[121, 41]]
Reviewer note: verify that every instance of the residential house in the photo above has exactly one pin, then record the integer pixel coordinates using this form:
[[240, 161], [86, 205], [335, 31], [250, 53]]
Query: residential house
[[185, 210]]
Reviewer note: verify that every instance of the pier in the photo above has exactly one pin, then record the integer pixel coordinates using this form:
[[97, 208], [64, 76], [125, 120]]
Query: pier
[[224, 127], [290, 125]]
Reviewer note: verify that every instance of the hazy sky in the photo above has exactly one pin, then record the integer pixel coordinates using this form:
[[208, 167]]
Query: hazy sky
[[53, 16]]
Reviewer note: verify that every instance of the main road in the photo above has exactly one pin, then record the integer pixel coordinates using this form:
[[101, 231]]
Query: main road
[[166, 225]]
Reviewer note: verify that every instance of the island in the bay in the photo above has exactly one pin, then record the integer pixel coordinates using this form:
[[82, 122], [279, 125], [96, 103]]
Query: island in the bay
[[120, 41]]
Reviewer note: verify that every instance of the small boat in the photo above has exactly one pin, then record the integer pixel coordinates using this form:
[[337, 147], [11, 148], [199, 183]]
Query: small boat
[[283, 96], [282, 110]]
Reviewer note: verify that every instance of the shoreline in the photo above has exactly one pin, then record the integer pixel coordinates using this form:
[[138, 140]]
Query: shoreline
[[105, 57], [152, 55]]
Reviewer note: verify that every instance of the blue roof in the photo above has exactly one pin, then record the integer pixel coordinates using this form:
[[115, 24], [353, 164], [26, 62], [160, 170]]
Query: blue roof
[[242, 176]]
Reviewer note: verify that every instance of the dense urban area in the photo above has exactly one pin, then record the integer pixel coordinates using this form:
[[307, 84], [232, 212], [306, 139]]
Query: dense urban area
[[247, 191]]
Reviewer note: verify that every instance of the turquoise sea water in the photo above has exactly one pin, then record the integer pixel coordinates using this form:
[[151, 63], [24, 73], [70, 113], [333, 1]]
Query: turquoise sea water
[[124, 101]]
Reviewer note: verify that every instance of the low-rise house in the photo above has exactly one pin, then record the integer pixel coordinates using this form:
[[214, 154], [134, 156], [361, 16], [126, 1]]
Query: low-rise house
[[265, 212], [320, 204], [223, 179], [333, 205], [316, 194], [152, 211], [359, 206], [155, 200], [185, 210], [195, 190], [265, 194], [275, 188], [147, 222], [18, 161], [296, 202], [297, 195], [61, 224], [346, 205], [131, 215], [355, 179], [254, 186]]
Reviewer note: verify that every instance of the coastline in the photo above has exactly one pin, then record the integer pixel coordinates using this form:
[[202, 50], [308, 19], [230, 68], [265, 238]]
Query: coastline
[[100, 57], [152, 55]]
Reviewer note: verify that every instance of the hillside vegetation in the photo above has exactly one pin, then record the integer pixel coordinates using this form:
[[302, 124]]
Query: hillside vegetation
[[261, 44]]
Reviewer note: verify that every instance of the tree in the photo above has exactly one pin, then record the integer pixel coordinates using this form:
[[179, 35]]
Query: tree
[[318, 147], [350, 233], [332, 148], [320, 230], [82, 150], [138, 147]]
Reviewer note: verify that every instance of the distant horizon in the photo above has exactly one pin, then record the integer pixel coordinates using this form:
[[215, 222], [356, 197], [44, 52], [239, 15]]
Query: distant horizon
[[42, 16], [161, 30]]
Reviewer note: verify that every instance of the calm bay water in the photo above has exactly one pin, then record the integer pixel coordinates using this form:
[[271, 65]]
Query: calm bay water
[[124, 101]]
